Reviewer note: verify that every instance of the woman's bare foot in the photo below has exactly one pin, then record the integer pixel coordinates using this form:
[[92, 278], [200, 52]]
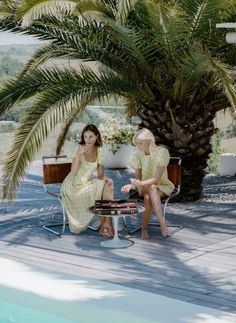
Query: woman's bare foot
[[106, 231], [144, 235], [108, 227], [165, 231]]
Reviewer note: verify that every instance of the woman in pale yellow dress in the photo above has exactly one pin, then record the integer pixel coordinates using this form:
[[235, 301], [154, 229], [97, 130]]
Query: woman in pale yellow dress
[[80, 190], [151, 180]]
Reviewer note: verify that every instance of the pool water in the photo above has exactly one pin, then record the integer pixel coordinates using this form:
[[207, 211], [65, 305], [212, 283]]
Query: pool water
[[18, 306], [15, 313], [32, 295]]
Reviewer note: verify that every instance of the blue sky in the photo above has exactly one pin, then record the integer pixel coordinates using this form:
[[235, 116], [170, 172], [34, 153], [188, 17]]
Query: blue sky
[[10, 39]]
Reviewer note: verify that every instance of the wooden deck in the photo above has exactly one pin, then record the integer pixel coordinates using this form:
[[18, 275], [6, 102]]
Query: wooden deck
[[196, 265]]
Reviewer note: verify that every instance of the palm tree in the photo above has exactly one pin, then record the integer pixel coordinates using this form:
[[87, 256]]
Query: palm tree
[[165, 58]]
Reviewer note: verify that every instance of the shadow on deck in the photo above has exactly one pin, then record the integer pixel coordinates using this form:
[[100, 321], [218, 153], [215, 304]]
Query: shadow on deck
[[196, 265]]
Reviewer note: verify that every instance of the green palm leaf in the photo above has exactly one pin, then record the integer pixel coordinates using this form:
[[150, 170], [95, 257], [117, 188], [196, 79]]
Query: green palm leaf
[[69, 120], [165, 58], [38, 123], [32, 10]]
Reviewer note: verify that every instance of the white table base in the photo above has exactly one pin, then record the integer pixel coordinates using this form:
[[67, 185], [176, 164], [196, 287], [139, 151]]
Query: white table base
[[116, 242]]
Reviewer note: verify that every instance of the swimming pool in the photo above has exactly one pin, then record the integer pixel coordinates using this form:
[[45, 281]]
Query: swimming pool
[[11, 312], [29, 294], [24, 307], [32, 295]]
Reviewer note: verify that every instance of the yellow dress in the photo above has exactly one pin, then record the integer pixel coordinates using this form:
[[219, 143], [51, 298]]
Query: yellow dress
[[80, 191], [159, 157]]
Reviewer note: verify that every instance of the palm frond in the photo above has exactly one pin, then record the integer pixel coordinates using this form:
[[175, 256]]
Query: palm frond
[[38, 123], [20, 88], [68, 121], [222, 75], [162, 12], [200, 70], [200, 14], [99, 8], [193, 67], [124, 8], [32, 10], [7, 9], [52, 106], [44, 54]]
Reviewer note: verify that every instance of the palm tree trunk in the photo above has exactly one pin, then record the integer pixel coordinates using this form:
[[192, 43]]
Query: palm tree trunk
[[186, 135]]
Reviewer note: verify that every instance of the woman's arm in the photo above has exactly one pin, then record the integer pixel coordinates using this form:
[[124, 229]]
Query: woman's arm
[[138, 175], [75, 165], [150, 181], [100, 170], [102, 176], [76, 161]]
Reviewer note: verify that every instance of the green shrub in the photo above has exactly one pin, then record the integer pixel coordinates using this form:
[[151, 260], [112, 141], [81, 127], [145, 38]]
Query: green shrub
[[213, 163]]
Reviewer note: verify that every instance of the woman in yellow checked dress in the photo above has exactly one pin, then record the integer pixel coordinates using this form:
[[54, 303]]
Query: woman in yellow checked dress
[[79, 190], [151, 180]]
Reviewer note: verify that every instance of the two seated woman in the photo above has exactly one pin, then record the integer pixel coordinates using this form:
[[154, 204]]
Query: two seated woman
[[80, 190]]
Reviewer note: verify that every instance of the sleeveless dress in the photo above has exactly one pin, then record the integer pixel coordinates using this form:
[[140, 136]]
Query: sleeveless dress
[[159, 157], [79, 192]]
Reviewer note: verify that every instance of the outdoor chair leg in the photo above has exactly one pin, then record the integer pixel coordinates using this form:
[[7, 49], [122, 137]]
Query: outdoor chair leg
[[62, 224], [156, 224], [127, 229], [178, 227]]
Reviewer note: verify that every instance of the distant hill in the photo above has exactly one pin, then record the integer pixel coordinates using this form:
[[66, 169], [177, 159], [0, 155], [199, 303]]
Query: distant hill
[[19, 52]]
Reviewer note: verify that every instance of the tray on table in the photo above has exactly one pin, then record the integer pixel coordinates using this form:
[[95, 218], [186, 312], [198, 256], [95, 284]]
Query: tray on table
[[108, 207]]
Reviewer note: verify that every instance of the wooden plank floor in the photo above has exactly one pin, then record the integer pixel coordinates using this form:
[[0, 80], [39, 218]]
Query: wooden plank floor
[[196, 265]]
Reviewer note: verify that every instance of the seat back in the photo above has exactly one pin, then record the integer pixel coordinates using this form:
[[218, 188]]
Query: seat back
[[55, 169], [174, 170], [174, 174]]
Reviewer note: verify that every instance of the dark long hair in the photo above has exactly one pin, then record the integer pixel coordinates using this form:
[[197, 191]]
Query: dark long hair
[[94, 129]]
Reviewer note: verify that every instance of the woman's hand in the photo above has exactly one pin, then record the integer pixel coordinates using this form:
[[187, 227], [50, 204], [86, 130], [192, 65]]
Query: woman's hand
[[137, 183], [126, 188], [108, 180]]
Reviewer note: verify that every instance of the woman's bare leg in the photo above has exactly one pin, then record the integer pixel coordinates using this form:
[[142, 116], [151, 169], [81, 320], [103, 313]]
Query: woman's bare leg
[[106, 222], [155, 197], [146, 216]]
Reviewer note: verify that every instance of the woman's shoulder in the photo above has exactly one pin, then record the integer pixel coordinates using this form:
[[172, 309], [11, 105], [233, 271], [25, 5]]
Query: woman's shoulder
[[160, 151], [162, 155], [79, 149], [160, 148], [100, 151], [136, 153], [164, 148]]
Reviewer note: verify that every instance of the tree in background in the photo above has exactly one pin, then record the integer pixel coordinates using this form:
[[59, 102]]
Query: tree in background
[[9, 66], [165, 58]]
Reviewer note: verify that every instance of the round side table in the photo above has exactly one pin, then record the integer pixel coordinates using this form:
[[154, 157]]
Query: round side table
[[116, 241]]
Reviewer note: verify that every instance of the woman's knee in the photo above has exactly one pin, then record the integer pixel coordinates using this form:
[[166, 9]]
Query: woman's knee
[[152, 189], [146, 197]]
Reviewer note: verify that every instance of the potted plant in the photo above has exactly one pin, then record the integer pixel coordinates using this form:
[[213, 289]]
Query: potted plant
[[117, 136]]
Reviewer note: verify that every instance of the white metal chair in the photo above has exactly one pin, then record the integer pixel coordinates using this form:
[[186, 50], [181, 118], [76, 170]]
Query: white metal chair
[[55, 169], [174, 175]]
